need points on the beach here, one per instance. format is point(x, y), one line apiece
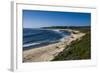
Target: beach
point(48, 52)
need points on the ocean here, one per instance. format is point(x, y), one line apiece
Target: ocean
point(39, 37)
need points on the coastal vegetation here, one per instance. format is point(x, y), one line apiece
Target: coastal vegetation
point(78, 49)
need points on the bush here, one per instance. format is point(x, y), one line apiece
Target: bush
point(79, 49)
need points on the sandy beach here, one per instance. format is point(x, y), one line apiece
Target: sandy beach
point(47, 53)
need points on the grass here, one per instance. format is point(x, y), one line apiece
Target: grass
point(77, 50)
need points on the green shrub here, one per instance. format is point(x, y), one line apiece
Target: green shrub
point(79, 49)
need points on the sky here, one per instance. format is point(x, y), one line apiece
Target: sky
point(37, 19)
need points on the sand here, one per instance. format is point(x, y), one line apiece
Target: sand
point(47, 53)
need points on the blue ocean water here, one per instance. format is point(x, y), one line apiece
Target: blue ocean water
point(38, 37)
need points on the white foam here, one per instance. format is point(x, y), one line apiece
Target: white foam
point(30, 44)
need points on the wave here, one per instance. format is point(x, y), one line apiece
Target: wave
point(33, 38)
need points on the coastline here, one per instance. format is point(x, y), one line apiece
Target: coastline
point(47, 53)
point(48, 40)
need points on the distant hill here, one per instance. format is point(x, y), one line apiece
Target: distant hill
point(66, 27)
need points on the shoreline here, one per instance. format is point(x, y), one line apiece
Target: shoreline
point(45, 43)
point(47, 53)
